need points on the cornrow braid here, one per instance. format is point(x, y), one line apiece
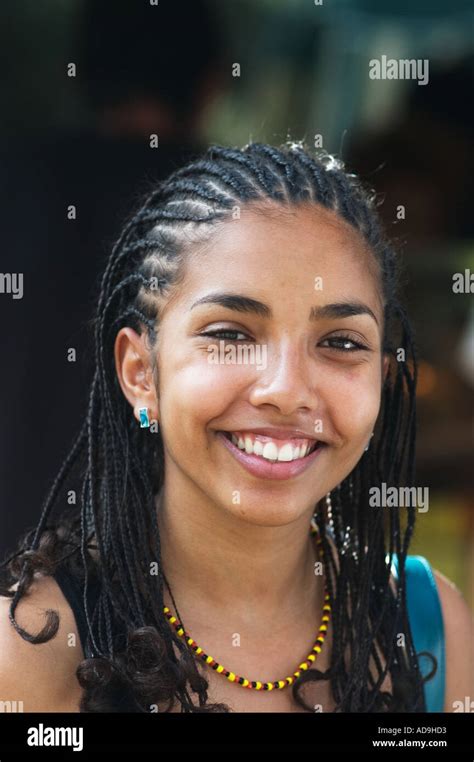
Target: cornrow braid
point(121, 467)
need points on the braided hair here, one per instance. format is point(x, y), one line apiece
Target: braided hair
point(136, 659)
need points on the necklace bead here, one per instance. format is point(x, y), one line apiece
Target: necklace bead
point(257, 684)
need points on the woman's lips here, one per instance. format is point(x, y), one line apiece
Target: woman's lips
point(267, 469)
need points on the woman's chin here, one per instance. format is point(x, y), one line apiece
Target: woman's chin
point(258, 510)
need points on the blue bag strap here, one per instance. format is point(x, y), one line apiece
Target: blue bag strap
point(427, 626)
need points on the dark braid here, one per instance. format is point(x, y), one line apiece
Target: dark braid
point(121, 466)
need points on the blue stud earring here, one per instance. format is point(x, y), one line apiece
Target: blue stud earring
point(144, 420)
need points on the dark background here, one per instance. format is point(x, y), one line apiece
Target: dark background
point(168, 70)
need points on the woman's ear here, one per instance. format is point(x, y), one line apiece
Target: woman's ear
point(134, 371)
point(385, 367)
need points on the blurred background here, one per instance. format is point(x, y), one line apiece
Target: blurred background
point(84, 85)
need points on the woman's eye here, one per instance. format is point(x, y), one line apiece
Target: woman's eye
point(339, 343)
point(226, 333)
point(343, 344)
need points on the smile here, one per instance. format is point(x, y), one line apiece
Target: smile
point(269, 457)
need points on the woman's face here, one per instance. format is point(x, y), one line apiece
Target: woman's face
point(309, 371)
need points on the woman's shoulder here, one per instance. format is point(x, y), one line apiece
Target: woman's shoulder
point(41, 676)
point(459, 636)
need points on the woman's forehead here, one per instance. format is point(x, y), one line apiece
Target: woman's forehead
point(307, 251)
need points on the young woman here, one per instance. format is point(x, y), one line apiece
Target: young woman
point(254, 382)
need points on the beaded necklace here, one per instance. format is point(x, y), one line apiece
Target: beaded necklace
point(257, 684)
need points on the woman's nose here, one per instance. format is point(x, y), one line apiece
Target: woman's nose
point(286, 382)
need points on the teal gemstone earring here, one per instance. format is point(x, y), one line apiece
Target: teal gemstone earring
point(144, 420)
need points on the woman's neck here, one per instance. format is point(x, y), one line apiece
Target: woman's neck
point(222, 564)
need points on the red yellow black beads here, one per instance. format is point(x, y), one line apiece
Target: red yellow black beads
point(257, 684)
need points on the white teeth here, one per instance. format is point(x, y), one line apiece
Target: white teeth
point(270, 450)
point(286, 452)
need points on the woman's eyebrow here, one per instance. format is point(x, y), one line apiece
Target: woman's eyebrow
point(241, 303)
point(341, 310)
point(236, 302)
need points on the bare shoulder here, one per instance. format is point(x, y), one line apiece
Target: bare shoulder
point(41, 676)
point(459, 632)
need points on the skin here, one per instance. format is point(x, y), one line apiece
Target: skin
point(246, 567)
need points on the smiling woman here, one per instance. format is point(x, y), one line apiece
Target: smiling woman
point(240, 491)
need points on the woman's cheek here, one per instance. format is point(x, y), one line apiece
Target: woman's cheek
point(207, 388)
point(353, 402)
